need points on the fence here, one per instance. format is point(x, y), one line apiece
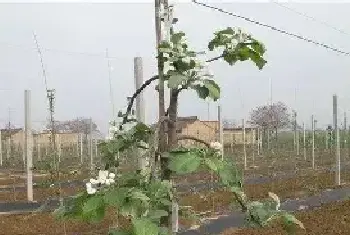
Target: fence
point(68, 153)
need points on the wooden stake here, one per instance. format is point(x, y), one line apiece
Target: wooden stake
point(337, 146)
point(28, 141)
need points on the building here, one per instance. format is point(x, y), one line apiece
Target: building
point(66, 139)
point(209, 132)
point(192, 126)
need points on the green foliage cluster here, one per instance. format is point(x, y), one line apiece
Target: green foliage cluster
point(238, 46)
point(184, 70)
point(142, 199)
point(134, 196)
point(137, 137)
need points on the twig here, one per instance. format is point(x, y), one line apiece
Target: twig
point(215, 58)
point(133, 97)
point(188, 137)
point(144, 85)
point(239, 45)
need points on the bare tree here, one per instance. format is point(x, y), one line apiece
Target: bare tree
point(275, 116)
point(271, 118)
point(229, 123)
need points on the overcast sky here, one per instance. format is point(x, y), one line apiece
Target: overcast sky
point(127, 30)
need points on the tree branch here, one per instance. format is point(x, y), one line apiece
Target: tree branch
point(215, 58)
point(224, 53)
point(174, 95)
point(133, 97)
point(188, 137)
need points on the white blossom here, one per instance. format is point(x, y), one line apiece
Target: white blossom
point(103, 175)
point(88, 185)
point(102, 180)
point(112, 181)
point(183, 40)
point(216, 145)
point(91, 190)
point(143, 144)
point(94, 181)
point(111, 175)
point(166, 66)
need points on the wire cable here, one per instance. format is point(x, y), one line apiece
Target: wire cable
point(41, 61)
point(324, 23)
point(273, 28)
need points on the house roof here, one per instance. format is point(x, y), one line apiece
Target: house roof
point(11, 131)
point(238, 128)
point(182, 122)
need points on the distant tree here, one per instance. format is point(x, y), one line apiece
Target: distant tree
point(78, 125)
point(271, 118)
point(227, 123)
point(10, 126)
point(275, 116)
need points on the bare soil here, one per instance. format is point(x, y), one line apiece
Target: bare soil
point(47, 224)
point(291, 188)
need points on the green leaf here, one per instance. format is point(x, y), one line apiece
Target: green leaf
point(260, 63)
point(92, 204)
point(118, 232)
point(159, 190)
point(229, 174)
point(165, 202)
point(165, 50)
point(289, 219)
point(137, 194)
point(130, 179)
point(176, 37)
point(202, 91)
point(164, 45)
point(164, 231)
point(238, 46)
point(214, 164)
point(116, 197)
point(229, 30)
point(175, 80)
point(191, 54)
point(181, 66)
point(213, 88)
point(94, 209)
point(183, 163)
point(132, 208)
point(257, 213)
point(73, 207)
point(236, 190)
point(143, 226)
point(157, 214)
point(244, 53)
point(258, 47)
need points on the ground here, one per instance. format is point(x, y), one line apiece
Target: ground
point(332, 219)
point(306, 181)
